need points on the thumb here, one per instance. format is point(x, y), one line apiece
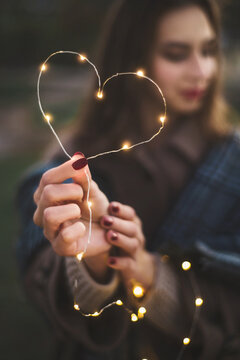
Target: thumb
point(82, 174)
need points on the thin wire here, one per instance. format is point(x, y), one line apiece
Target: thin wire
point(196, 292)
point(83, 58)
point(194, 286)
point(99, 85)
point(104, 308)
point(59, 141)
point(128, 148)
point(90, 215)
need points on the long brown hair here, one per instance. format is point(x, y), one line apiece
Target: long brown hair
point(126, 45)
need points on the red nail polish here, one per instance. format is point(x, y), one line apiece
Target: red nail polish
point(107, 221)
point(111, 261)
point(78, 153)
point(114, 236)
point(80, 163)
point(115, 208)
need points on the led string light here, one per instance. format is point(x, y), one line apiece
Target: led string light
point(126, 146)
point(198, 302)
point(137, 290)
point(83, 58)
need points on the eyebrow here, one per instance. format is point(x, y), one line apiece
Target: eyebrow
point(183, 45)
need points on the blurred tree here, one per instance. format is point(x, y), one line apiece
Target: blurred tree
point(31, 29)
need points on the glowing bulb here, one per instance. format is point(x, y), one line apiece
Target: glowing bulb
point(89, 203)
point(119, 302)
point(138, 291)
point(125, 146)
point(48, 117)
point(162, 119)
point(186, 265)
point(140, 73)
point(79, 256)
point(43, 67)
point(82, 57)
point(141, 312)
point(134, 317)
point(95, 314)
point(186, 341)
point(100, 94)
point(199, 301)
point(76, 307)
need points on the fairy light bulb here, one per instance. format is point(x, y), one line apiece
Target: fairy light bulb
point(119, 302)
point(186, 341)
point(198, 301)
point(43, 67)
point(76, 307)
point(99, 94)
point(90, 203)
point(186, 265)
point(140, 73)
point(134, 317)
point(79, 256)
point(138, 291)
point(126, 146)
point(141, 312)
point(162, 119)
point(82, 57)
point(48, 117)
point(96, 313)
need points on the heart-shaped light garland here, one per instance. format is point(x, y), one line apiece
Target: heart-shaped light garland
point(138, 290)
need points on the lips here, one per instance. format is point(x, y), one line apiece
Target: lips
point(193, 93)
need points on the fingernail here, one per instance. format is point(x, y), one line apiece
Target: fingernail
point(115, 208)
point(78, 153)
point(107, 221)
point(114, 236)
point(111, 261)
point(80, 163)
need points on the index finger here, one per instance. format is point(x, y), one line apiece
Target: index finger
point(75, 168)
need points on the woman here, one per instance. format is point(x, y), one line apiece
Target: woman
point(178, 195)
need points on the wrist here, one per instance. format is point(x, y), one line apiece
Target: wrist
point(148, 262)
point(97, 267)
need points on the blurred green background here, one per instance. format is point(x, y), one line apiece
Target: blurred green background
point(30, 31)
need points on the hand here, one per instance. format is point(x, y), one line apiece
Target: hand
point(63, 213)
point(124, 231)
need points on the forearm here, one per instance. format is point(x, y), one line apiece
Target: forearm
point(97, 268)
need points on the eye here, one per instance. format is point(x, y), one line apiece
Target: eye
point(175, 56)
point(210, 51)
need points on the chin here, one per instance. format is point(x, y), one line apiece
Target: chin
point(188, 108)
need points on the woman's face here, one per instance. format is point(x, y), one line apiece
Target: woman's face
point(184, 61)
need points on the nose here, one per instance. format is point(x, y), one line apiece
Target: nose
point(198, 67)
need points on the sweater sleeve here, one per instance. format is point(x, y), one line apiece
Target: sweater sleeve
point(171, 309)
point(162, 299)
point(86, 292)
point(46, 284)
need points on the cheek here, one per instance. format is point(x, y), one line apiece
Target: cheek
point(166, 75)
point(210, 68)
